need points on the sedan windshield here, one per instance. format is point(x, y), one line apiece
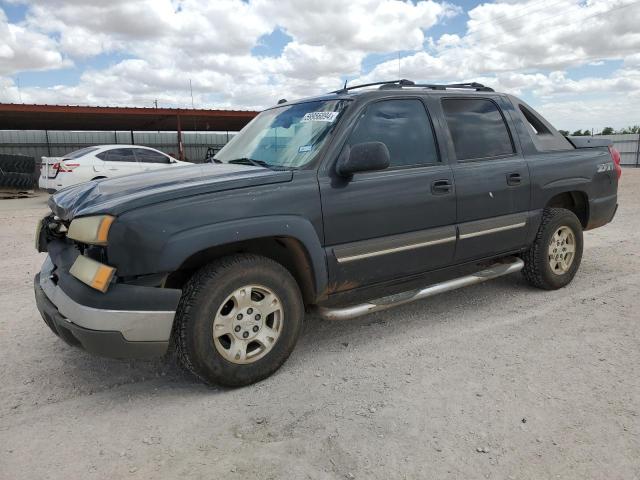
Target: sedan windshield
point(284, 137)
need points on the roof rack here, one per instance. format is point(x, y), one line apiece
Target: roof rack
point(478, 87)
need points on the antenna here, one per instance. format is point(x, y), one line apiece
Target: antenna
point(18, 85)
point(344, 89)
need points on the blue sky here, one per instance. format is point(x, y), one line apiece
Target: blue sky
point(559, 55)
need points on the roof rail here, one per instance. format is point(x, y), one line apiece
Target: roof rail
point(408, 83)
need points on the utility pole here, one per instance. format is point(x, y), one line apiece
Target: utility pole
point(156, 103)
point(191, 90)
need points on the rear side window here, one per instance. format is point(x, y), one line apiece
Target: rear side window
point(545, 138)
point(477, 128)
point(403, 126)
point(149, 156)
point(534, 122)
point(118, 155)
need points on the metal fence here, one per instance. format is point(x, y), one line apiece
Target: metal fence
point(629, 147)
point(39, 143)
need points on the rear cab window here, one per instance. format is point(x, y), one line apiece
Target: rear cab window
point(478, 128)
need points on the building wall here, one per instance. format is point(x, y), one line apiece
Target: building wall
point(627, 145)
point(38, 143)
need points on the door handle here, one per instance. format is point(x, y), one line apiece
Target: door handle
point(441, 187)
point(514, 179)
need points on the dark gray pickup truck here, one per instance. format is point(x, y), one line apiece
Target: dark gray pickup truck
point(347, 203)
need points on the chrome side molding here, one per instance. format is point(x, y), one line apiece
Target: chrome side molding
point(510, 265)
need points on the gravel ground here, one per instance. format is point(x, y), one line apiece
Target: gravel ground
point(494, 381)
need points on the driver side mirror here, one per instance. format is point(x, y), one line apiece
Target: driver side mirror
point(363, 157)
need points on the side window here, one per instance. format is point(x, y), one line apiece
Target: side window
point(149, 156)
point(403, 126)
point(477, 128)
point(120, 155)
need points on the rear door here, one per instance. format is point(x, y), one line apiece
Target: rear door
point(119, 161)
point(389, 224)
point(491, 176)
point(150, 159)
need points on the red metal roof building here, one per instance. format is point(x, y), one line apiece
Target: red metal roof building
point(79, 118)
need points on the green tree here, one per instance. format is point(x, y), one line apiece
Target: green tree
point(578, 133)
point(564, 132)
point(633, 129)
point(607, 131)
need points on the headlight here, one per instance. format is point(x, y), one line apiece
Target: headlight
point(91, 230)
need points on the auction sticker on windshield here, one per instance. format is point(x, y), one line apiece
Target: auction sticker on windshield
point(319, 117)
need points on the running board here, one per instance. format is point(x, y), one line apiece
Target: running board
point(511, 265)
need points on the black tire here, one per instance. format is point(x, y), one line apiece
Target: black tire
point(17, 180)
point(537, 269)
point(203, 296)
point(17, 163)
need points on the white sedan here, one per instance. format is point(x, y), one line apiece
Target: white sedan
point(103, 161)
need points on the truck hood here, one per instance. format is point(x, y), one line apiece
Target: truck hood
point(117, 195)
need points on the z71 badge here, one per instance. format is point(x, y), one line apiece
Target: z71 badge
point(605, 167)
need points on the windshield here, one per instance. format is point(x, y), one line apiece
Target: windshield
point(286, 137)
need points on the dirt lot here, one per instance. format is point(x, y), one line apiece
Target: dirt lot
point(494, 381)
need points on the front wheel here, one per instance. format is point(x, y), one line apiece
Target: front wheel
point(238, 320)
point(553, 259)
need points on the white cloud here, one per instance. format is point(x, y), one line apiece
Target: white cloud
point(365, 25)
point(528, 48)
point(22, 49)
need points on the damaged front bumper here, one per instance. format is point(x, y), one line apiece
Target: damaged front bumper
point(128, 321)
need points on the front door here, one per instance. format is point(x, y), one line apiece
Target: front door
point(151, 160)
point(492, 178)
point(396, 222)
point(120, 161)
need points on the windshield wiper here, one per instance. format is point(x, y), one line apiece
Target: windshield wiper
point(258, 163)
point(249, 161)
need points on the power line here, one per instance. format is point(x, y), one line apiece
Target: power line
point(390, 56)
point(594, 15)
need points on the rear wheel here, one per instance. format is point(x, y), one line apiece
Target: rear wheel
point(554, 258)
point(238, 320)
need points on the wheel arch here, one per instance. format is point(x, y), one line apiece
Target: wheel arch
point(290, 241)
point(576, 201)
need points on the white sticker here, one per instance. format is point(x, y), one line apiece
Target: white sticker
point(305, 148)
point(319, 117)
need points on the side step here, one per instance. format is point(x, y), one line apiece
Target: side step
point(510, 265)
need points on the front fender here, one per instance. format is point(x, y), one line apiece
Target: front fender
point(182, 245)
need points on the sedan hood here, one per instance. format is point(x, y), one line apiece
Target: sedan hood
point(121, 194)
